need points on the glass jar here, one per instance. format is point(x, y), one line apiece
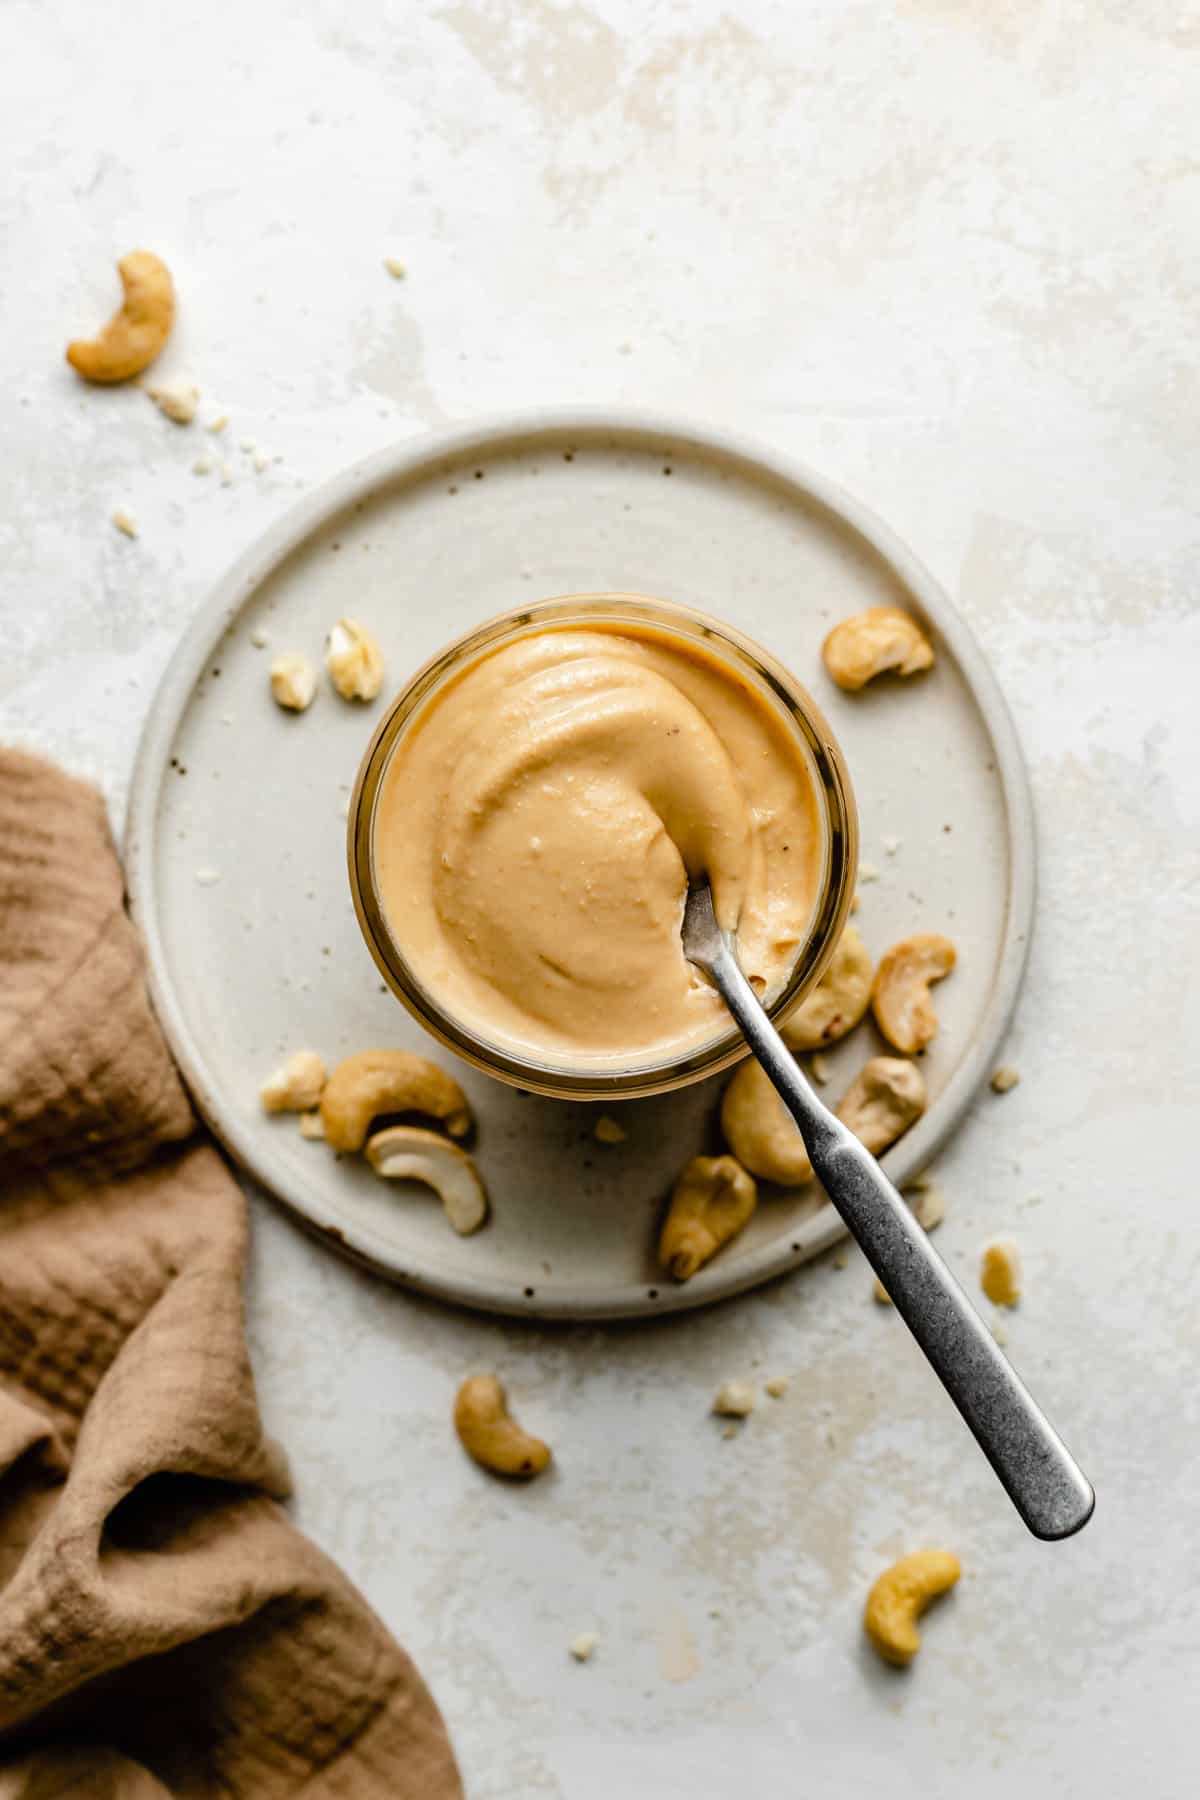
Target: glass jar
point(779, 691)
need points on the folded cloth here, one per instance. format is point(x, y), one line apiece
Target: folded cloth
point(164, 1630)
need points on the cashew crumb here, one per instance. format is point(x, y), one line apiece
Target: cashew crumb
point(312, 1128)
point(226, 474)
point(202, 465)
point(259, 639)
point(818, 1068)
point(344, 807)
point(261, 461)
point(733, 1400)
point(891, 845)
point(125, 522)
point(1004, 1079)
point(1000, 1335)
point(881, 1293)
point(867, 872)
point(730, 1431)
point(776, 1386)
point(208, 877)
point(1000, 1275)
point(608, 1130)
point(177, 400)
point(583, 1647)
point(395, 268)
point(248, 445)
point(842, 1259)
point(219, 423)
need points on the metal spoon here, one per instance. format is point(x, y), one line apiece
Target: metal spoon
point(1042, 1478)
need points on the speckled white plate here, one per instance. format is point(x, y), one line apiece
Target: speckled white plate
point(236, 860)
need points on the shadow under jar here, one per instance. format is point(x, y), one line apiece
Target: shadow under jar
point(521, 821)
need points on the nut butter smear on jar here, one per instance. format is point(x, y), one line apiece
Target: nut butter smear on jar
point(537, 823)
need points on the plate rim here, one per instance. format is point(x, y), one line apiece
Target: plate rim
point(405, 460)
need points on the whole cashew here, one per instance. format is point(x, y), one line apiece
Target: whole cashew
point(883, 637)
point(838, 1001)
point(295, 1086)
point(388, 1081)
point(882, 1101)
point(354, 661)
point(407, 1153)
point(761, 1132)
point(488, 1432)
point(900, 1596)
point(900, 997)
point(712, 1199)
point(133, 336)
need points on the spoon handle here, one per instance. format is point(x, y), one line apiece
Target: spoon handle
point(1043, 1480)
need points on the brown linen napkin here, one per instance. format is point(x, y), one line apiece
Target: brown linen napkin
point(164, 1630)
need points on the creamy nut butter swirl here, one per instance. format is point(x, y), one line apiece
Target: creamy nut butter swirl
point(537, 824)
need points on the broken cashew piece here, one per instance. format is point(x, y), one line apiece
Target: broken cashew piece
point(838, 1001)
point(760, 1130)
point(177, 400)
point(712, 1199)
point(409, 1153)
point(293, 681)
point(295, 1086)
point(900, 1596)
point(354, 661)
point(900, 997)
point(882, 638)
point(136, 333)
point(884, 1099)
point(1000, 1275)
point(734, 1400)
point(373, 1082)
point(491, 1436)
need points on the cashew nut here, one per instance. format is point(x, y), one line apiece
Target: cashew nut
point(838, 1001)
point(354, 661)
point(177, 400)
point(133, 336)
point(734, 1400)
point(761, 1132)
point(295, 1086)
point(882, 1101)
point(900, 998)
point(489, 1433)
point(293, 681)
point(900, 1596)
point(407, 1153)
point(1000, 1276)
point(372, 1082)
point(883, 637)
point(710, 1202)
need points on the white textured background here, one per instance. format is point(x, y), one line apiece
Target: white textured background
point(947, 253)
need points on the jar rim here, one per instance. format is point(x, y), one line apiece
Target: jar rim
point(607, 1079)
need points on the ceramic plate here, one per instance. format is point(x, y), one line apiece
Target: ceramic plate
point(236, 838)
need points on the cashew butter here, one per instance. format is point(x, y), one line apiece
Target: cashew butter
point(537, 823)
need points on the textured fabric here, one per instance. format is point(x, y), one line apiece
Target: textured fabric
point(164, 1630)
